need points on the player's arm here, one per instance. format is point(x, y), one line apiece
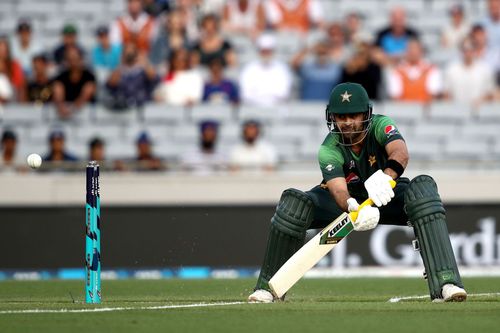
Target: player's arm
point(338, 189)
point(398, 157)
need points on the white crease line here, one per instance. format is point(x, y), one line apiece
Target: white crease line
point(158, 307)
point(397, 299)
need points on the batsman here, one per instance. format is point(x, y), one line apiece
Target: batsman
point(360, 156)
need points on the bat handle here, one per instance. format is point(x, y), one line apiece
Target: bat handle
point(367, 202)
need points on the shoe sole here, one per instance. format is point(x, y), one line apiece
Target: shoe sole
point(458, 297)
point(255, 300)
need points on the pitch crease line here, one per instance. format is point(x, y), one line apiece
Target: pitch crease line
point(406, 298)
point(158, 307)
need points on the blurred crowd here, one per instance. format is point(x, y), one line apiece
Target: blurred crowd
point(182, 53)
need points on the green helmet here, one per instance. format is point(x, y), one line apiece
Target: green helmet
point(348, 98)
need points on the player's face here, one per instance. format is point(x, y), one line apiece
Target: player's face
point(351, 125)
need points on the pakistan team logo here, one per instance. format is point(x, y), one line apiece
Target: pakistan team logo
point(346, 97)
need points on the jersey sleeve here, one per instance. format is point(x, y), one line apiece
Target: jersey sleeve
point(385, 130)
point(330, 162)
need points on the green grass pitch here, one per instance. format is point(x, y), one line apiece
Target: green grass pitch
point(313, 305)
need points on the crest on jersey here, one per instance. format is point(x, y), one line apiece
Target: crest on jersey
point(352, 164)
point(372, 160)
point(390, 130)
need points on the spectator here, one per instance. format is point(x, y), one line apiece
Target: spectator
point(75, 86)
point(483, 51)
point(9, 159)
point(339, 52)
point(414, 79)
point(244, 17)
point(363, 69)
point(206, 158)
point(146, 160)
point(58, 157)
point(469, 81)
point(132, 83)
point(6, 90)
point(318, 75)
point(211, 44)
point(181, 86)
point(105, 55)
point(40, 87)
point(24, 47)
point(393, 40)
point(96, 150)
point(492, 24)
point(172, 36)
point(353, 30)
point(218, 89)
point(156, 7)
point(12, 70)
point(456, 30)
point(265, 81)
point(295, 15)
point(135, 27)
point(69, 40)
point(253, 153)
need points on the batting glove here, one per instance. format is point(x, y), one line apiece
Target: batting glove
point(368, 218)
point(379, 188)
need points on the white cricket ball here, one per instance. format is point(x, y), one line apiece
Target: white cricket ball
point(34, 161)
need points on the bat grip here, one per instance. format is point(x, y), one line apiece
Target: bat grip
point(367, 202)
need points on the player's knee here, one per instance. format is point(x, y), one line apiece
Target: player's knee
point(294, 213)
point(422, 200)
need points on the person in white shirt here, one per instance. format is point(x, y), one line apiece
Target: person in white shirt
point(181, 86)
point(265, 81)
point(253, 154)
point(24, 47)
point(206, 158)
point(468, 80)
point(456, 30)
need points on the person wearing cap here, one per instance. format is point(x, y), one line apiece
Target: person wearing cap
point(105, 55)
point(456, 29)
point(253, 154)
point(469, 81)
point(136, 26)
point(265, 81)
point(9, 159)
point(24, 46)
point(69, 39)
point(40, 88)
point(206, 158)
point(146, 160)
point(57, 153)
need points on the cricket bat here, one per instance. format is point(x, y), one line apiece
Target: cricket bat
point(309, 254)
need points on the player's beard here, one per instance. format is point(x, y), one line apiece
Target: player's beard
point(352, 135)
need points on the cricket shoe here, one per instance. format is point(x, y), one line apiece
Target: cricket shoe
point(452, 293)
point(261, 296)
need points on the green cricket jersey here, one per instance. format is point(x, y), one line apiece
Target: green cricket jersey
point(336, 160)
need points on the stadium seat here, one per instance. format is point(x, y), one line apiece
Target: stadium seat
point(478, 131)
point(489, 113)
point(22, 114)
point(466, 149)
point(221, 113)
point(446, 112)
point(161, 113)
point(105, 116)
point(309, 112)
point(424, 149)
point(263, 114)
point(402, 112)
point(435, 131)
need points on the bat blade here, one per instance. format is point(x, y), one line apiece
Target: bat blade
point(309, 254)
